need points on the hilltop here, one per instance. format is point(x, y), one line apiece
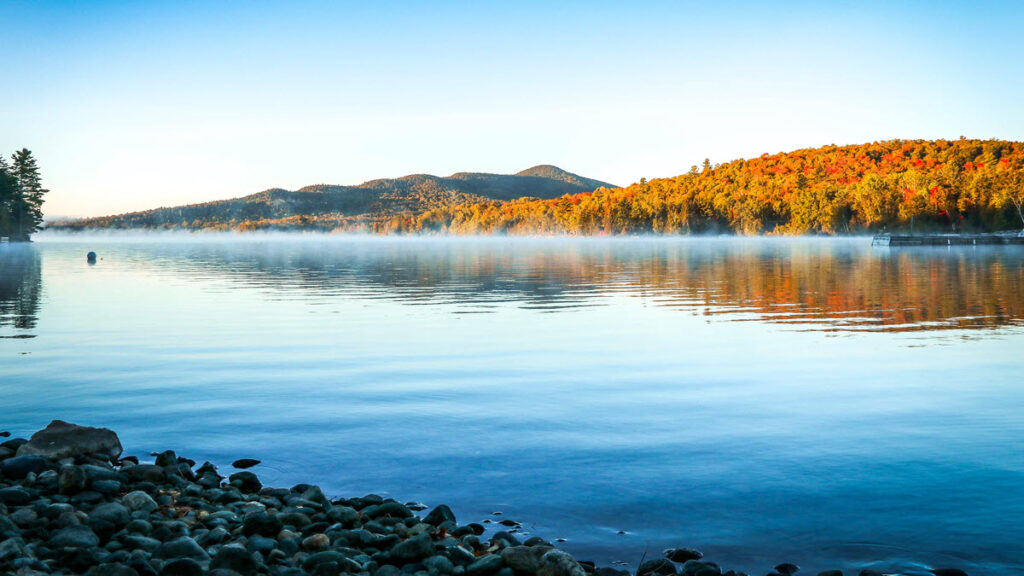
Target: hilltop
point(370, 204)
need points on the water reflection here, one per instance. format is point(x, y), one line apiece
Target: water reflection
point(20, 288)
point(813, 285)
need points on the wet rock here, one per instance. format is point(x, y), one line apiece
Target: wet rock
point(21, 466)
point(137, 542)
point(246, 482)
point(243, 463)
point(949, 572)
point(24, 516)
point(15, 496)
point(439, 564)
point(113, 569)
point(316, 543)
point(343, 515)
point(62, 440)
point(261, 523)
point(182, 567)
point(698, 568)
point(139, 501)
point(413, 549)
point(683, 554)
point(868, 572)
point(440, 515)
point(74, 537)
point(831, 573)
point(236, 559)
point(183, 547)
point(787, 568)
point(166, 458)
point(524, 558)
point(71, 480)
point(112, 512)
point(486, 565)
point(559, 563)
point(657, 567)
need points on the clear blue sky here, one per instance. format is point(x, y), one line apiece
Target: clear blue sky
point(135, 105)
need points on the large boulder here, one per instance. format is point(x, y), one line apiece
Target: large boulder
point(62, 440)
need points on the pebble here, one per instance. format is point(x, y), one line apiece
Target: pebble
point(243, 463)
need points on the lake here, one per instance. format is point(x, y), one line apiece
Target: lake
point(809, 400)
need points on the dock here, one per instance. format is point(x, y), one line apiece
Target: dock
point(996, 238)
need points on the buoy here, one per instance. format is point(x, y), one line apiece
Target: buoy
point(90, 257)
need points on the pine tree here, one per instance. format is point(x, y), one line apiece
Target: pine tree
point(28, 206)
point(8, 199)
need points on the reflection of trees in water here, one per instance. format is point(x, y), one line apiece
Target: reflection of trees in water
point(20, 286)
point(826, 285)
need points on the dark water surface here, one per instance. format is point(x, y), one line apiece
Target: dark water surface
point(815, 401)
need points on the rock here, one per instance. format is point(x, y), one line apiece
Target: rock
point(23, 465)
point(71, 480)
point(831, 573)
point(24, 516)
point(113, 570)
point(62, 440)
point(316, 543)
point(182, 567)
point(243, 463)
point(261, 523)
point(949, 572)
point(107, 487)
point(112, 513)
point(10, 549)
point(90, 257)
point(440, 515)
point(166, 458)
point(236, 559)
point(74, 537)
point(413, 549)
point(868, 572)
point(183, 547)
point(485, 565)
point(5, 434)
point(660, 566)
point(698, 568)
point(139, 501)
point(787, 568)
point(559, 563)
point(15, 496)
point(439, 564)
point(524, 558)
point(683, 554)
point(343, 515)
point(246, 482)
point(135, 542)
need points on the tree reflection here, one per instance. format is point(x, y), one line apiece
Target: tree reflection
point(20, 287)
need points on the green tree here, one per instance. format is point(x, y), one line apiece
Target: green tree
point(28, 209)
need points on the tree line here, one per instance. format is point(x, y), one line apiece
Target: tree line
point(907, 185)
point(21, 196)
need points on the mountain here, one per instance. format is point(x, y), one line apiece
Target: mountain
point(325, 206)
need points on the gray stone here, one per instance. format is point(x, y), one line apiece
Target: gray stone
point(246, 482)
point(71, 480)
point(24, 516)
point(23, 465)
point(136, 542)
point(74, 537)
point(698, 568)
point(113, 570)
point(683, 554)
point(11, 548)
point(236, 559)
point(413, 549)
point(112, 513)
point(181, 567)
point(660, 567)
point(486, 565)
point(15, 495)
point(525, 558)
point(183, 547)
point(439, 564)
point(261, 523)
point(343, 515)
point(62, 440)
point(139, 501)
point(440, 515)
point(559, 563)
point(316, 543)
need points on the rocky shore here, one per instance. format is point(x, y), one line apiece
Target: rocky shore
point(70, 504)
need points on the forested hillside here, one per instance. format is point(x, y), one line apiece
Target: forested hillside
point(919, 185)
point(367, 205)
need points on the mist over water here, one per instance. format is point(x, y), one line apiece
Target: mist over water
point(810, 400)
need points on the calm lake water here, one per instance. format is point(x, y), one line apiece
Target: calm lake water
point(815, 401)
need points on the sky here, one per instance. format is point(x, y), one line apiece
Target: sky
point(136, 105)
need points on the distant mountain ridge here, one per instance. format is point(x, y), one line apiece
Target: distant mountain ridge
point(372, 201)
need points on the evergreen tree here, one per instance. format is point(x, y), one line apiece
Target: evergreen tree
point(8, 199)
point(28, 205)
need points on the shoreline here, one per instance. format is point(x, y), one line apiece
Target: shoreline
point(70, 504)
